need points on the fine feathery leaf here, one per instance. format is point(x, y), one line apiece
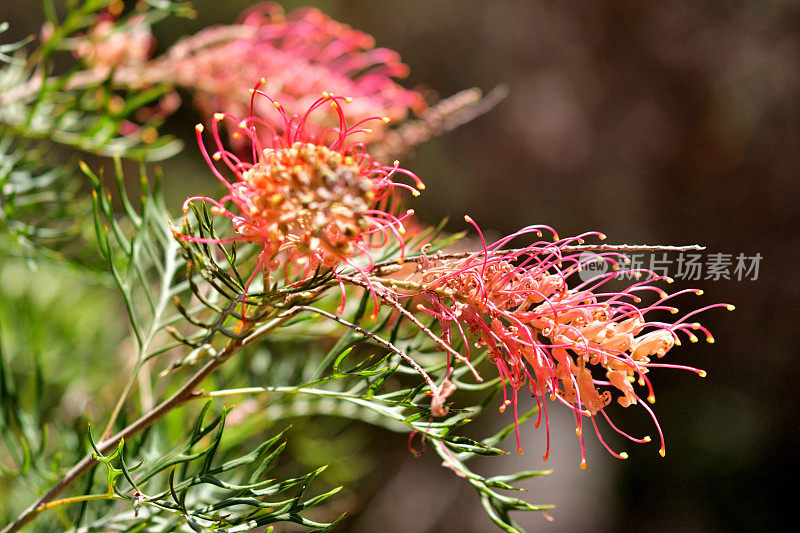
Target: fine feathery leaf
point(192, 486)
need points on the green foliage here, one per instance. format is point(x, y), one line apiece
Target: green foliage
point(189, 485)
point(135, 316)
point(44, 117)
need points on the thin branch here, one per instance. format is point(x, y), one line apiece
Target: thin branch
point(438, 341)
point(184, 394)
point(380, 268)
point(436, 391)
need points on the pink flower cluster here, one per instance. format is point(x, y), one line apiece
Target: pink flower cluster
point(576, 345)
point(300, 55)
point(308, 200)
point(109, 46)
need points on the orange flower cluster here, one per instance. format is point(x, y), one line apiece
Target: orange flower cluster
point(307, 204)
point(575, 345)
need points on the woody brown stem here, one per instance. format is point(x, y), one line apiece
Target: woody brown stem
point(379, 267)
point(185, 393)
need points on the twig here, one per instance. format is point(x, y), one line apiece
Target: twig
point(439, 342)
point(436, 391)
point(440, 256)
point(184, 394)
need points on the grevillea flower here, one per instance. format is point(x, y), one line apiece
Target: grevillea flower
point(109, 45)
point(309, 201)
point(576, 345)
point(300, 55)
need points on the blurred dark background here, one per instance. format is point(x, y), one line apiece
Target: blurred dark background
point(670, 122)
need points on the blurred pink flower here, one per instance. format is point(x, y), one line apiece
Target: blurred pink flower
point(300, 55)
point(109, 45)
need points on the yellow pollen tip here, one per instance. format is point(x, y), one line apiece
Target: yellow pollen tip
point(277, 105)
point(368, 130)
point(630, 379)
point(326, 95)
point(243, 124)
point(640, 382)
point(731, 307)
point(602, 236)
point(236, 135)
point(702, 373)
point(401, 231)
point(347, 100)
point(415, 193)
point(710, 340)
point(677, 342)
point(420, 307)
point(693, 338)
point(699, 292)
point(421, 186)
point(662, 452)
point(410, 212)
point(673, 311)
point(651, 399)
point(502, 409)
point(386, 120)
point(262, 81)
point(647, 438)
point(252, 91)
point(583, 464)
point(198, 128)
point(218, 116)
point(217, 156)
point(669, 280)
point(623, 455)
point(696, 325)
point(520, 451)
point(578, 431)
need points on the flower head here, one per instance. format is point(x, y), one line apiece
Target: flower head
point(109, 45)
point(300, 55)
point(308, 200)
point(578, 346)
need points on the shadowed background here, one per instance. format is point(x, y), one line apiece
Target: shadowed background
point(672, 122)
